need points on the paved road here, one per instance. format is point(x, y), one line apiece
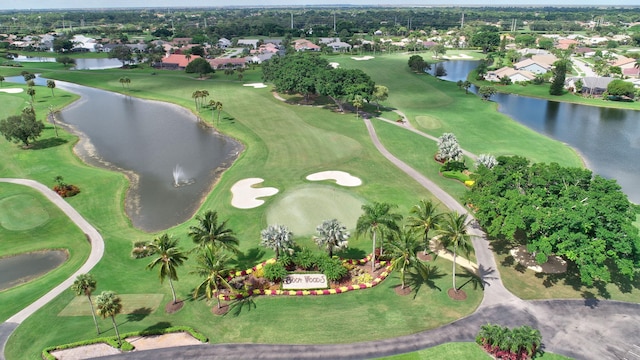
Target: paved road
point(97, 250)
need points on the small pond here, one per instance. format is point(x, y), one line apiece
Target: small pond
point(81, 63)
point(15, 270)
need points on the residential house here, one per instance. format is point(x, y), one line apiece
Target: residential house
point(221, 63)
point(259, 58)
point(593, 85)
point(514, 74)
point(532, 66)
point(548, 59)
point(224, 43)
point(305, 45)
point(624, 62)
point(83, 43)
point(176, 61)
point(633, 72)
point(181, 41)
point(339, 46)
point(564, 44)
point(253, 43)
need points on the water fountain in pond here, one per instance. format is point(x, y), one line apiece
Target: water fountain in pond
point(179, 177)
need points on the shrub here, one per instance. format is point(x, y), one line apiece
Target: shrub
point(275, 272)
point(141, 250)
point(332, 268)
point(304, 259)
point(363, 279)
point(286, 260)
point(454, 166)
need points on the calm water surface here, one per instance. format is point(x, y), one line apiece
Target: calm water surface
point(608, 139)
point(15, 270)
point(81, 63)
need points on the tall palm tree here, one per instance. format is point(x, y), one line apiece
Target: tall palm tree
point(169, 258)
point(376, 218)
point(332, 235)
point(209, 230)
point(1, 80)
point(212, 105)
point(212, 265)
point(277, 238)
point(357, 102)
point(203, 94)
point(424, 217)
point(85, 284)
point(453, 234)
point(51, 85)
point(109, 305)
point(196, 95)
point(219, 108)
point(403, 248)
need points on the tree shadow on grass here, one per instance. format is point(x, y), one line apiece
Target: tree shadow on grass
point(229, 119)
point(158, 326)
point(138, 314)
point(48, 143)
point(352, 253)
point(237, 306)
point(249, 258)
point(424, 274)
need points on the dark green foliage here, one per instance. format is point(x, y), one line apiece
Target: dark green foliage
point(417, 64)
point(487, 38)
point(333, 269)
point(487, 91)
point(141, 250)
point(22, 128)
point(559, 75)
point(295, 73)
point(122, 53)
point(503, 343)
point(563, 211)
point(454, 166)
point(199, 66)
point(275, 272)
point(304, 259)
point(619, 87)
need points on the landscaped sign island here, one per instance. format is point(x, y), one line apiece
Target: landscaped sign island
point(305, 282)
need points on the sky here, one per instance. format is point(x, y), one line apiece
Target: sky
point(85, 4)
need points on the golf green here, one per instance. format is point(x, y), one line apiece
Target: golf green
point(22, 212)
point(302, 209)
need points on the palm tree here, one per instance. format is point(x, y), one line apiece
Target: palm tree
point(203, 95)
point(403, 247)
point(51, 85)
point(277, 238)
point(212, 105)
point(169, 258)
point(453, 233)
point(1, 80)
point(374, 220)
point(357, 102)
point(212, 265)
point(219, 108)
point(209, 230)
point(109, 305)
point(196, 95)
point(425, 216)
point(125, 81)
point(85, 285)
point(331, 235)
point(31, 92)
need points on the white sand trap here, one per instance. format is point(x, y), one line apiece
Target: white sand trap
point(459, 56)
point(341, 178)
point(12, 91)
point(245, 196)
point(363, 58)
point(334, 64)
point(256, 85)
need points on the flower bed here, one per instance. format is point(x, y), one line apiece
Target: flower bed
point(338, 290)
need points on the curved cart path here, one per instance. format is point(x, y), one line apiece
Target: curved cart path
point(97, 250)
point(582, 329)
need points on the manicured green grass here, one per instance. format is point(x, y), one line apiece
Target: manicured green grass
point(462, 350)
point(22, 212)
point(141, 304)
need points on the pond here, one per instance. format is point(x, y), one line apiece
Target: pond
point(15, 270)
point(608, 139)
point(81, 63)
point(153, 143)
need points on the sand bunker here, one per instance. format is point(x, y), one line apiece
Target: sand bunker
point(334, 64)
point(555, 264)
point(245, 196)
point(12, 91)
point(459, 56)
point(341, 178)
point(256, 85)
point(363, 58)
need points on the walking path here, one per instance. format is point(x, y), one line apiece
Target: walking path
point(97, 250)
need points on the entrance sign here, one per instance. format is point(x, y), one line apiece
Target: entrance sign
point(305, 281)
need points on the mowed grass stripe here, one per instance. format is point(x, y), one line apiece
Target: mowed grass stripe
point(131, 304)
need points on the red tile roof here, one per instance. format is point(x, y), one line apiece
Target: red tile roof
point(179, 59)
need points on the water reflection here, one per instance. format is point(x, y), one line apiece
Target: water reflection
point(15, 270)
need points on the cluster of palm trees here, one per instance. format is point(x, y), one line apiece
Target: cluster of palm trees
point(108, 304)
point(125, 81)
point(200, 98)
point(381, 222)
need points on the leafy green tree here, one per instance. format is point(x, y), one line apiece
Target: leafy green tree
point(332, 235)
point(380, 93)
point(438, 50)
point(65, 60)
point(486, 37)
point(199, 66)
point(453, 234)
point(51, 85)
point(417, 64)
point(486, 92)
point(213, 265)
point(122, 53)
point(170, 257)
point(22, 128)
point(209, 230)
point(85, 285)
point(559, 75)
point(403, 248)
point(109, 305)
point(424, 218)
point(277, 238)
point(357, 101)
point(377, 218)
point(1, 80)
point(619, 87)
point(481, 69)
point(466, 85)
point(340, 83)
point(295, 73)
point(525, 40)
